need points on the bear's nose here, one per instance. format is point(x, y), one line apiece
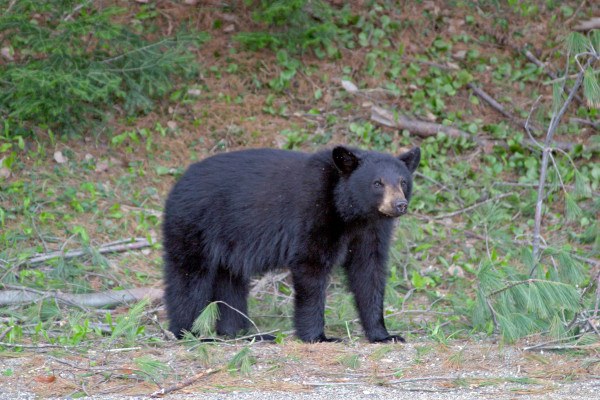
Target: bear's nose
point(401, 206)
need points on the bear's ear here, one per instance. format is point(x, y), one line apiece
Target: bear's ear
point(345, 160)
point(411, 158)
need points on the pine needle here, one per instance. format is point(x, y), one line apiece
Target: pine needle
point(576, 43)
point(128, 326)
point(242, 361)
point(582, 186)
point(205, 323)
point(572, 209)
point(591, 88)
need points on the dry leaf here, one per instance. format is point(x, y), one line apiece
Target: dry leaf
point(172, 125)
point(45, 378)
point(229, 28)
point(59, 158)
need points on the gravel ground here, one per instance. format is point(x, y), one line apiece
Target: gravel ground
point(579, 390)
point(296, 371)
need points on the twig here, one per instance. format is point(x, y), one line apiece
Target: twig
point(572, 17)
point(539, 345)
point(518, 121)
point(33, 346)
point(425, 378)
point(462, 210)
point(79, 7)
point(490, 100)
point(5, 332)
point(184, 383)
point(109, 298)
point(581, 121)
point(544, 169)
point(239, 312)
point(133, 244)
point(523, 282)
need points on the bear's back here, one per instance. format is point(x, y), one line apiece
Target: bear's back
point(249, 209)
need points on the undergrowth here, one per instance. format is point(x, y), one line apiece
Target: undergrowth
point(72, 65)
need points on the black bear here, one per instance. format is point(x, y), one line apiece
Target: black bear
point(237, 214)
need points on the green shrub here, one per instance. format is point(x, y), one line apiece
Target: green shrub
point(296, 25)
point(73, 60)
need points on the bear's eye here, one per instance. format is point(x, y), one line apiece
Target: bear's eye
point(378, 183)
point(404, 185)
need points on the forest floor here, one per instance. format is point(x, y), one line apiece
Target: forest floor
point(474, 200)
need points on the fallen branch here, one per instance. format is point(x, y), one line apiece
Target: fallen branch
point(482, 94)
point(421, 128)
point(116, 247)
point(109, 298)
point(184, 383)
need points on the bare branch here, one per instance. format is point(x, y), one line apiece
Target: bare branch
point(114, 247)
point(544, 168)
point(108, 298)
point(184, 383)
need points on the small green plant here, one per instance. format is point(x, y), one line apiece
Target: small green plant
point(128, 327)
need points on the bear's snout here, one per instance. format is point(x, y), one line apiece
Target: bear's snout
point(401, 206)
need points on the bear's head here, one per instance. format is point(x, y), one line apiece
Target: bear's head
point(372, 183)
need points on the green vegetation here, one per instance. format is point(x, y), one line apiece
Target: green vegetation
point(102, 108)
point(68, 72)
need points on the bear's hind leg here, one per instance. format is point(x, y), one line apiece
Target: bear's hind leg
point(232, 293)
point(187, 292)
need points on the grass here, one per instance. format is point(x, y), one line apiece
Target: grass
point(465, 240)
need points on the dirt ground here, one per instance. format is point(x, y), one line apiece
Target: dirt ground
point(483, 369)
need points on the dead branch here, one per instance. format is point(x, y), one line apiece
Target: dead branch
point(184, 383)
point(421, 128)
point(490, 100)
point(109, 298)
point(592, 23)
point(454, 213)
point(482, 94)
point(544, 168)
point(116, 247)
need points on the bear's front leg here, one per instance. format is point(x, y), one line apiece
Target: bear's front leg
point(309, 302)
point(367, 274)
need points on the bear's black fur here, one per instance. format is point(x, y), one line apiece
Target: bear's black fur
point(242, 213)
